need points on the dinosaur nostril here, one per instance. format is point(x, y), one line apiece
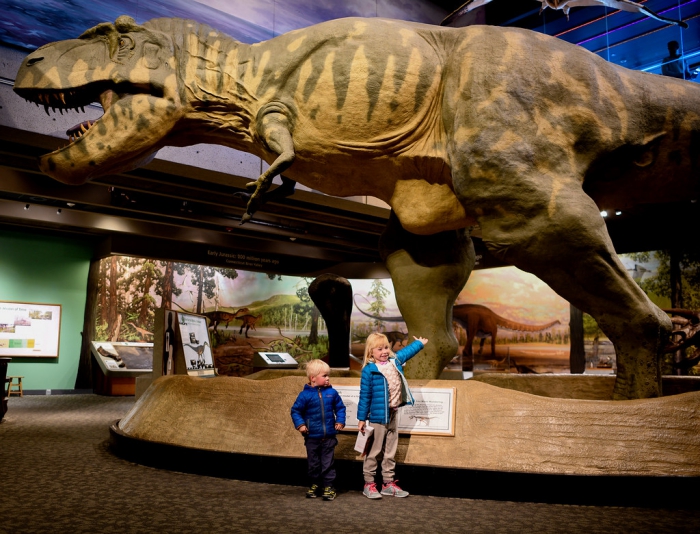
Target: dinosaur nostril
point(31, 62)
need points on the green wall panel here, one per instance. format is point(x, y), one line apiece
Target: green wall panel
point(52, 270)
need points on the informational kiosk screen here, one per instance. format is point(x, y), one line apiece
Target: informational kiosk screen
point(274, 360)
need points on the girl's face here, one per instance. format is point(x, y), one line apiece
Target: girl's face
point(381, 353)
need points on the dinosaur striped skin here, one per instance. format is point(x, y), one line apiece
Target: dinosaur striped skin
point(515, 131)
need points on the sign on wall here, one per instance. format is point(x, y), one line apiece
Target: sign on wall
point(29, 330)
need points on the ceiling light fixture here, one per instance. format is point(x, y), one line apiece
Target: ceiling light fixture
point(58, 211)
point(603, 213)
point(618, 212)
point(70, 204)
point(26, 206)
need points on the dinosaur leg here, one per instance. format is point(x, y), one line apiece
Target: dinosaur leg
point(557, 233)
point(468, 352)
point(428, 273)
point(332, 295)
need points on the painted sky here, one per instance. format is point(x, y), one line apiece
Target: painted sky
point(30, 24)
point(508, 291)
point(516, 295)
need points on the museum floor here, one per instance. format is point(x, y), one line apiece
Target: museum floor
point(58, 475)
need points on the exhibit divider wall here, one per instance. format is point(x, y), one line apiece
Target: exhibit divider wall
point(37, 268)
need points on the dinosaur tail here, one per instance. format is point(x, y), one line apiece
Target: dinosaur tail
point(394, 319)
point(520, 327)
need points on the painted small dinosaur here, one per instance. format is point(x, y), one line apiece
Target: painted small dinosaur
point(248, 321)
point(517, 132)
point(480, 321)
point(219, 316)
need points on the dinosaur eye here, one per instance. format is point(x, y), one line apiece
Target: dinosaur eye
point(125, 43)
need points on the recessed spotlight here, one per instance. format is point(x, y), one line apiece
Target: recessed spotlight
point(58, 211)
point(70, 204)
point(603, 213)
point(26, 206)
point(292, 238)
point(618, 212)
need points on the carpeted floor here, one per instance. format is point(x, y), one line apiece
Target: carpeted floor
point(58, 475)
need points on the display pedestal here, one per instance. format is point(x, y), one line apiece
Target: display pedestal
point(516, 442)
point(117, 365)
point(113, 385)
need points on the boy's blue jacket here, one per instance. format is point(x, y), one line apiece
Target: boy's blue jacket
point(373, 404)
point(319, 408)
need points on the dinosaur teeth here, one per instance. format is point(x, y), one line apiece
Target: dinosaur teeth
point(79, 130)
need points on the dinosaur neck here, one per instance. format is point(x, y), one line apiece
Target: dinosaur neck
point(222, 106)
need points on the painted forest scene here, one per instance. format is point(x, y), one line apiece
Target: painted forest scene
point(251, 311)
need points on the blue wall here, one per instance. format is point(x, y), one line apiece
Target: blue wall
point(51, 270)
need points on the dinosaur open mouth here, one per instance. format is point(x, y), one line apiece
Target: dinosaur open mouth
point(72, 100)
point(107, 98)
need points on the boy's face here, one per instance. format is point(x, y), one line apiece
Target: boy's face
point(322, 379)
point(381, 353)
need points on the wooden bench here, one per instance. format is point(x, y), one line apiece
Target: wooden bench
point(15, 386)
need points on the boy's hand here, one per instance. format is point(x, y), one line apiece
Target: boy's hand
point(339, 426)
point(361, 426)
point(421, 339)
point(303, 429)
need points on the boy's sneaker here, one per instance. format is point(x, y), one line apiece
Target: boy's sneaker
point(370, 491)
point(391, 488)
point(312, 492)
point(328, 493)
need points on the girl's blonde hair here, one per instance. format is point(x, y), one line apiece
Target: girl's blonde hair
point(374, 340)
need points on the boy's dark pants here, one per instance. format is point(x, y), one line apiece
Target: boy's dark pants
point(319, 452)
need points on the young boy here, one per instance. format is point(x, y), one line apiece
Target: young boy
point(318, 413)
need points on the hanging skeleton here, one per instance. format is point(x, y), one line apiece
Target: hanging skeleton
point(566, 5)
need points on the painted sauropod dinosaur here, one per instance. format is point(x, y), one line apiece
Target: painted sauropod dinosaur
point(517, 132)
point(481, 321)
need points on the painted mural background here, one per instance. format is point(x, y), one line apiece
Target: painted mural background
point(252, 311)
point(32, 24)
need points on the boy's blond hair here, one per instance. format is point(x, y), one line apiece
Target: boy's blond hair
point(374, 340)
point(315, 368)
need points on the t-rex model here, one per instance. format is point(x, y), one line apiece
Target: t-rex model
point(511, 130)
point(480, 321)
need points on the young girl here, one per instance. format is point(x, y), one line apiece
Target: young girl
point(383, 390)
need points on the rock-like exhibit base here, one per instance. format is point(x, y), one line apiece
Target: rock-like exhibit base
point(497, 430)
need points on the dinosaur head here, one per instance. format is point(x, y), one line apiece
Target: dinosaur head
point(131, 71)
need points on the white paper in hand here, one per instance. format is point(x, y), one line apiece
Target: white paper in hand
point(362, 442)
